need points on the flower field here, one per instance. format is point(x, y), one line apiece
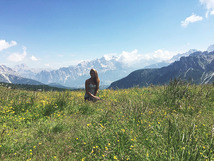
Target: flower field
point(174, 122)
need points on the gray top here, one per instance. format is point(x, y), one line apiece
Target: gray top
point(91, 89)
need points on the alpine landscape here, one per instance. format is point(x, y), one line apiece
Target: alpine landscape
point(153, 98)
point(111, 70)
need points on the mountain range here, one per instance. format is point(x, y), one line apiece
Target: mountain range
point(10, 76)
point(198, 68)
point(75, 76)
point(173, 59)
point(109, 69)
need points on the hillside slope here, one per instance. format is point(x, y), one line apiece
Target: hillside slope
point(198, 68)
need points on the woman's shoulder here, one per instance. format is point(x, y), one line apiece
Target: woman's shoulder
point(88, 81)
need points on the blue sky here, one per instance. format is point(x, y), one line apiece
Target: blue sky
point(53, 33)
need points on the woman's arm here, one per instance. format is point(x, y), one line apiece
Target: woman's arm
point(97, 87)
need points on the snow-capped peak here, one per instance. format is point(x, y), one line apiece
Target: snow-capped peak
point(178, 56)
point(110, 57)
point(7, 70)
point(210, 48)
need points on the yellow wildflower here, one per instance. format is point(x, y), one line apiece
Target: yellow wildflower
point(115, 157)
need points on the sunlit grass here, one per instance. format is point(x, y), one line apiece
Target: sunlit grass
point(155, 123)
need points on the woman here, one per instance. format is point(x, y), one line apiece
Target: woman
point(92, 86)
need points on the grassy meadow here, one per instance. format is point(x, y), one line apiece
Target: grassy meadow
point(174, 122)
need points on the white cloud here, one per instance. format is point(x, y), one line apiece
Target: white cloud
point(5, 45)
point(34, 58)
point(209, 6)
point(134, 58)
point(17, 57)
point(191, 19)
point(160, 55)
point(130, 57)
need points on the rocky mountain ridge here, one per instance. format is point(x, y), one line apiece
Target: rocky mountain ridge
point(197, 68)
point(173, 59)
point(109, 67)
point(75, 76)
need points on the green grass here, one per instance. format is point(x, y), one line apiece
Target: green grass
point(171, 122)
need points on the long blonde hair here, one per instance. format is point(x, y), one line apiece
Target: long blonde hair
point(96, 79)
